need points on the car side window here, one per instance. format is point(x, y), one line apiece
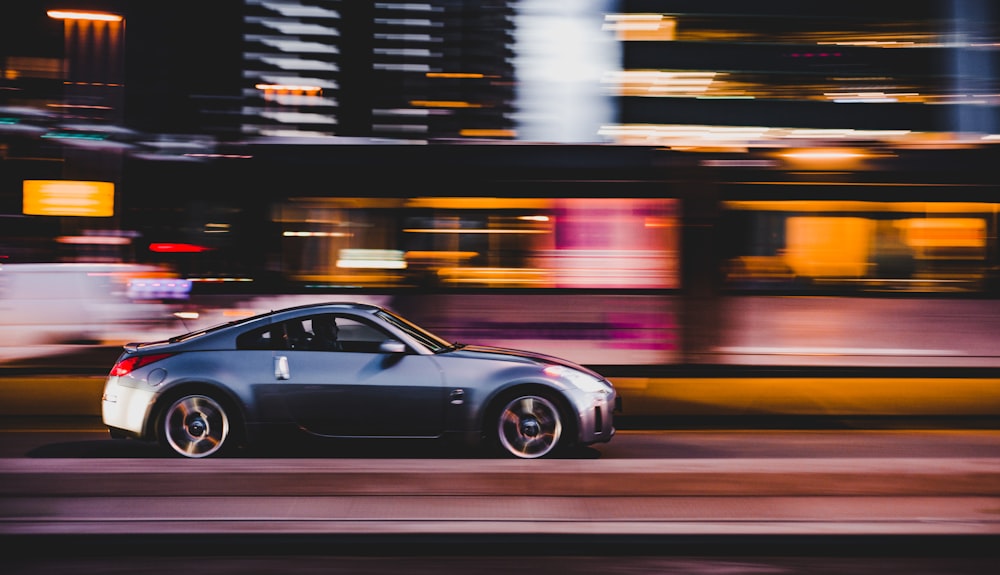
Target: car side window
point(267, 337)
point(295, 335)
point(346, 334)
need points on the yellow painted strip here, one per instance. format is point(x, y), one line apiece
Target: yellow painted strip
point(51, 395)
point(809, 396)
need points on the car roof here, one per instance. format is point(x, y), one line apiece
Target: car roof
point(210, 333)
point(352, 305)
point(294, 311)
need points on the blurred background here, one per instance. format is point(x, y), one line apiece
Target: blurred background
point(636, 185)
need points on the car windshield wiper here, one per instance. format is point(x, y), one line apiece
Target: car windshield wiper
point(451, 347)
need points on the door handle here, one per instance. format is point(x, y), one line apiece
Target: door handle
point(281, 367)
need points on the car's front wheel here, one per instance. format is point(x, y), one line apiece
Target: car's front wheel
point(195, 426)
point(529, 426)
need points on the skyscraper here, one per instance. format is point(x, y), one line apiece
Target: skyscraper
point(379, 70)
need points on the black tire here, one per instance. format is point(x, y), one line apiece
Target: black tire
point(529, 425)
point(196, 426)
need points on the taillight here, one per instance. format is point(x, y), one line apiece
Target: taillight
point(129, 364)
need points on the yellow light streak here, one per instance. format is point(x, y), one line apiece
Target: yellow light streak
point(444, 104)
point(480, 203)
point(293, 234)
point(472, 231)
point(439, 255)
point(81, 15)
point(287, 88)
point(454, 75)
point(488, 133)
point(847, 206)
point(824, 155)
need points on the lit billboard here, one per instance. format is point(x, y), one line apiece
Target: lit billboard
point(69, 198)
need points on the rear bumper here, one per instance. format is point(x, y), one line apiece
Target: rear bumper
point(125, 408)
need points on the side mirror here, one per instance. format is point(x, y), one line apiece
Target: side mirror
point(392, 346)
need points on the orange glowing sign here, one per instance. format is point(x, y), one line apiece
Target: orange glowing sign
point(69, 198)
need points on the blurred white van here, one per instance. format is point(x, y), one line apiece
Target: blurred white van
point(80, 303)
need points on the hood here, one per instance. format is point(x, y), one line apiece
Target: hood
point(506, 354)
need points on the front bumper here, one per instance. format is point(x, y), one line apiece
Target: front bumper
point(597, 421)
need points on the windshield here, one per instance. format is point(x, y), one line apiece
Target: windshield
point(428, 339)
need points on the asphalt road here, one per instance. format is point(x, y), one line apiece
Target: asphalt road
point(86, 437)
point(686, 501)
point(64, 480)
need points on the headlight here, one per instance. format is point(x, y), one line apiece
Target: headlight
point(583, 381)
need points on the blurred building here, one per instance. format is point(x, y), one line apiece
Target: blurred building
point(396, 71)
point(174, 102)
point(721, 72)
point(598, 71)
point(648, 72)
point(649, 157)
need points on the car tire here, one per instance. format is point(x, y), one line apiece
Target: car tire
point(529, 425)
point(195, 426)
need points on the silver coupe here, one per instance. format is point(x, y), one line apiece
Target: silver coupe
point(349, 370)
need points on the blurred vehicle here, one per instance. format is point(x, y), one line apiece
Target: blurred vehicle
point(80, 303)
point(377, 375)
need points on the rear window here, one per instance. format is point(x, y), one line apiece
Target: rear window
point(267, 337)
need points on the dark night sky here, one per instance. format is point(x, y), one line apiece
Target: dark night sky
point(177, 51)
point(25, 30)
point(179, 54)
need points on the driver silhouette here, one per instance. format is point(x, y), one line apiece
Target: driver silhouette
point(325, 332)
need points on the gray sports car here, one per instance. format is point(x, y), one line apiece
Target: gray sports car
point(349, 370)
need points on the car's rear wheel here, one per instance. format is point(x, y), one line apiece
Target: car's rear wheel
point(529, 426)
point(195, 426)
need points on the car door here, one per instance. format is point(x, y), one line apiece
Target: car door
point(359, 391)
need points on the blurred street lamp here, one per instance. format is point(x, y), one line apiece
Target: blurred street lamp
point(78, 15)
point(95, 64)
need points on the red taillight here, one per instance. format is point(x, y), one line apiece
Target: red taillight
point(177, 248)
point(132, 363)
